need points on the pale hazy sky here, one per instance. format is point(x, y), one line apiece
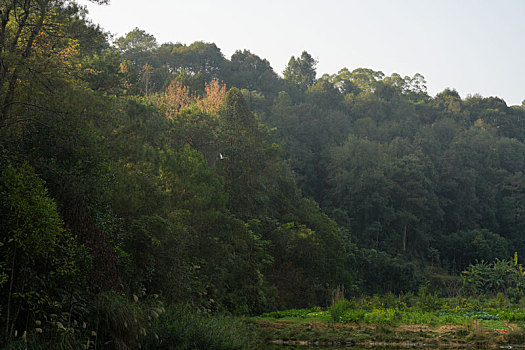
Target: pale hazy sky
point(474, 46)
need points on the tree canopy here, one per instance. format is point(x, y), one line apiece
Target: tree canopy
point(170, 174)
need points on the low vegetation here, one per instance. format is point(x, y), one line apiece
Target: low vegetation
point(398, 320)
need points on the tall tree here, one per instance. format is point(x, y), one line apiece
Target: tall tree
point(301, 70)
point(30, 28)
point(247, 156)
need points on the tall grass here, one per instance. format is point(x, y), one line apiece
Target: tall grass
point(183, 328)
point(339, 304)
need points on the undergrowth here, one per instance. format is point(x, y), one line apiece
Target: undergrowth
point(424, 308)
point(182, 328)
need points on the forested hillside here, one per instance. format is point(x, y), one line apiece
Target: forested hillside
point(135, 176)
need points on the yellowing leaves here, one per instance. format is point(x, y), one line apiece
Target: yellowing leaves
point(213, 98)
point(177, 97)
point(59, 53)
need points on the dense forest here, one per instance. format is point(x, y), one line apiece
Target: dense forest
point(135, 176)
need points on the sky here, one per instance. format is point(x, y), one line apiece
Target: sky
point(473, 46)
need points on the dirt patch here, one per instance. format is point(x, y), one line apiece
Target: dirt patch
point(354, 326)
point(426, 328)
point(413, 328)
point(449, 328)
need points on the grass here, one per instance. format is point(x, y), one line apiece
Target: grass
point(182, 328)
point(395, 317)
point(456, 320)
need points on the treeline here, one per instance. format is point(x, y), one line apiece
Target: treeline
point(119, 199)
point(433, 179)
point(168, 174)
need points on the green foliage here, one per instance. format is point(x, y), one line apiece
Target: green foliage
point(428, 301)
point(301, 70)
point(120, 321)
point(500, 276)
point(40, 259)
point(353, 316)
point(250, 72)
point(298, 313)
point(375, 310)
point(365, 182)
point(381, 316)
point(156, 253)
point(182, 328)
point(474, 245)
point(243, 148)
point(339, 309)
point(512, 315)
point(381, 273)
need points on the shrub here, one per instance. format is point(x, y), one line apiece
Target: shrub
point(500, 276)
point(353, 316)
point(182, 328)
point(120, 321)
point(40, 261)
point(428, 301)
point(338, 310)
point(381, 316)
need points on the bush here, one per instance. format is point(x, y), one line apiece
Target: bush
point(353, 316)
point(338, 309)
point(119, 321)
point(40, 261)
point(182, 328)
point(428, 301)
point(500, 276)
point(381, 316)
